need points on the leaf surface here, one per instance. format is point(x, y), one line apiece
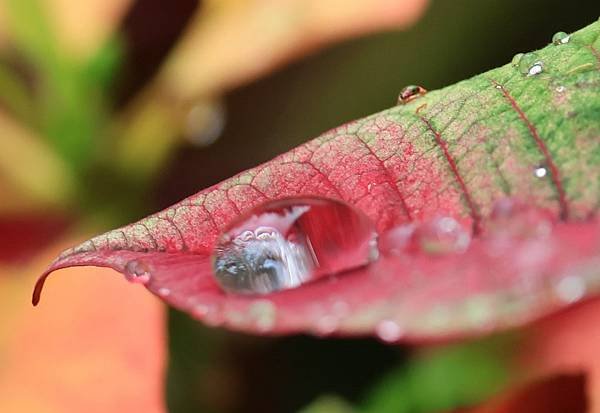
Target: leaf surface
point(453, 152)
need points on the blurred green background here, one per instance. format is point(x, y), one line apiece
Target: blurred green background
point(120, 149)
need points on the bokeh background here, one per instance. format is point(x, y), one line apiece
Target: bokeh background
point(113, 109)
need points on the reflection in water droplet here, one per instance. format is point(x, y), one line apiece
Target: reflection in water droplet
point(540, 171)
point(410, 93)
point(517, 59)
point(536, 69)
point(137, 271)
point(560, 38)
point(283, 244)
point(388, 331)
point(570, 288)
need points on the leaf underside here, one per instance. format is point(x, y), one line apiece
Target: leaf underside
point(452, 152)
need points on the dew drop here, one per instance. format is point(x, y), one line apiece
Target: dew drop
point(285, 243)
point(512, 219)
point(560, 38)
point(570, 288)
point(410, 93)
point(530, 65)
point(516, 59)
point(263, 314)
point(398, 239)
point(137, 271)
point(326, 325)
point(442, 235)
point(540, 171)
point(388, 331)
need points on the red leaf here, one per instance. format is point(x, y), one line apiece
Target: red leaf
point(456, 153)
point(24, 235)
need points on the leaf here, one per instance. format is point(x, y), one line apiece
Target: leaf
point(451, 152)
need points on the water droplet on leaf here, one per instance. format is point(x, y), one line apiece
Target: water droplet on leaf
point(164, 292)
point(530, 65)
point(137, 271)
point(441, 236)
point(570, 288)
point(560, 38)
point(285, 243)
point(388, 331)
point(512, 219)
point(516, 59)
point(263, 313)
point(410, 93)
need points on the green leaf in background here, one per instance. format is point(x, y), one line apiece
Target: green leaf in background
point(72, 103)
point(443, 378)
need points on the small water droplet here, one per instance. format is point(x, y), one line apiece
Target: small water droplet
point(513, 219)
point(540, 171)
point(286, 243)
point(398, 239)
point(410, 93)
point(442, 235)
point(326, 325)
point(137, 271)
point(560, 38)
point(164, 292)
point(516, 59)
point(570, 288)
point(388, 331)
point(263, 313)
point(530, 65)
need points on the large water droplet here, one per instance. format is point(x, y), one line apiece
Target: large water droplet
point(286, 243)
point(409, 93)
point(560, 38)
point(137, 271)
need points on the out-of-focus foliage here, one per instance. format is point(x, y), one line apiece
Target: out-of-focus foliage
point(98, 346)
